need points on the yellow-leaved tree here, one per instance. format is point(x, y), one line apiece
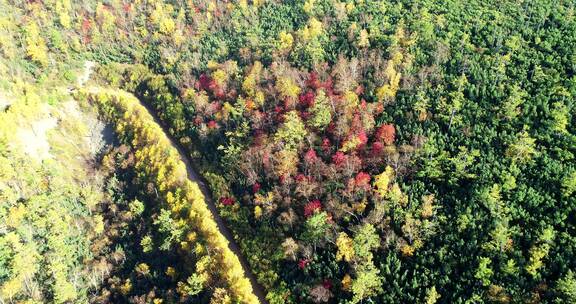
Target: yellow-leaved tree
point(36, 48)
point(157, 161)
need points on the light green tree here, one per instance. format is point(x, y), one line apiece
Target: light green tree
point(523, 149)
point(569, 184)
point(566, 288)
point(432, 296)
point(292, 132)
point(367, 282)
point(484, 272)
point(316, 227)
point(560, 117)
point(510, 108)
point(321, 111)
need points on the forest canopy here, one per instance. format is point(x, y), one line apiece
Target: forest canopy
point(359, 151)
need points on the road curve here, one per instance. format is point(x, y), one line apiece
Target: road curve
point(198, 179)
point(257, 289)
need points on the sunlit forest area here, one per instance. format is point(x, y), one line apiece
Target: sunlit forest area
point(288, 151)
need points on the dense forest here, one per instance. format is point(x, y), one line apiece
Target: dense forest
point(353, 151)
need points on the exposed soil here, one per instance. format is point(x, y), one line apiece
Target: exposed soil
point(34, 140)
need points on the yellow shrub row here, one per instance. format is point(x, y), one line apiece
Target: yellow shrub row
point(158, 162)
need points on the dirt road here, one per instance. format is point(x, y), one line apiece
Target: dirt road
point(197, 178)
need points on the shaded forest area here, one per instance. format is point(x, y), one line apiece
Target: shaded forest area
point(360, 151)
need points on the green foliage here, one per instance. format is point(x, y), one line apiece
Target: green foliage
point(172, 229)
point(316, 227)
point(566, 288)
point(560, 117)
point(569, 184)
point(321, 112)
point(194, 285)
point(292, 132)
point(484, 272)
point(432, 295)
point(136, 207)
point(510, 108)
point(367, 283)
point(366, 240)
point(523, 149)
point(480, 96)
point(146, 243)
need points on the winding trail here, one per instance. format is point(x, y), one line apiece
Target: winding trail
point(257, 289)
point(202, 184)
